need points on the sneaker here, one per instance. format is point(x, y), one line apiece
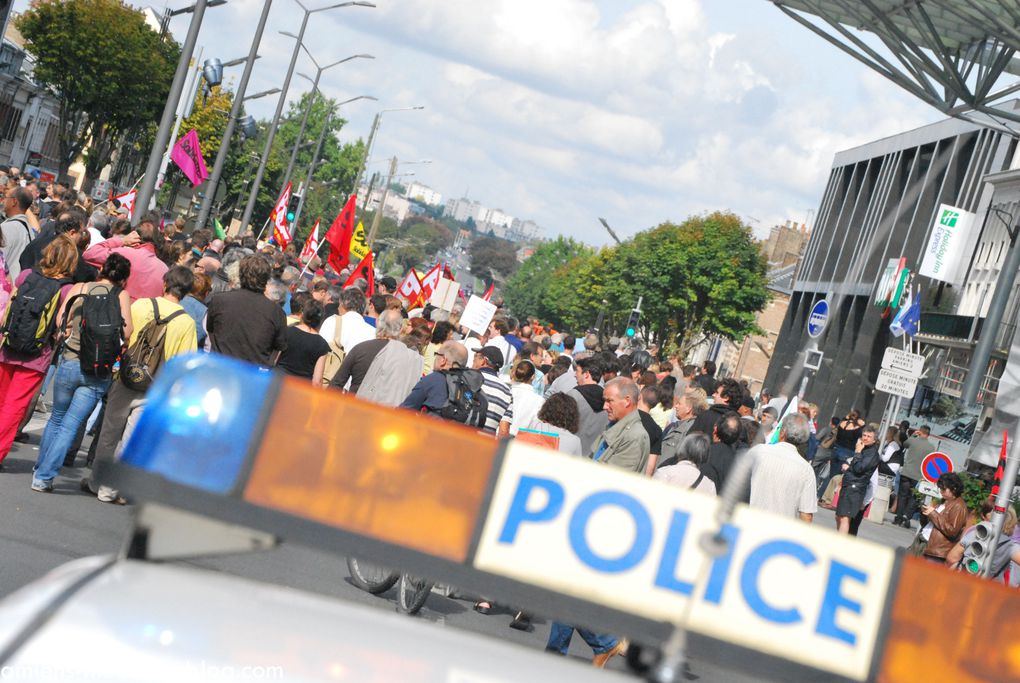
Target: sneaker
point(42, 486)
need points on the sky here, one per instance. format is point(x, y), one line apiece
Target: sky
point(562, 111)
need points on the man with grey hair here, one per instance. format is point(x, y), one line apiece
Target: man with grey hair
point(276, 291)
point(781, 480)
point(348, 325)
point(625, 442)
point(384, 369)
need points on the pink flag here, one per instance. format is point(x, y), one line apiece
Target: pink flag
point(188, 155)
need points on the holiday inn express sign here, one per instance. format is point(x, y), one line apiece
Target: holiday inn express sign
point(944, 255)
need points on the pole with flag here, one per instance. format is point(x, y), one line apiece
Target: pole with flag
point(311, 244)
point(430, 281)
point(488, 292)
point(410, 289)
point(364, 271)
point(791, 408)
point(339, 236)
point(908, 317)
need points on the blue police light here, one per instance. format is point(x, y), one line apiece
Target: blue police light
point(199, 420)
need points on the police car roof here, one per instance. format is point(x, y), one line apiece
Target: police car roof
point(200, 625)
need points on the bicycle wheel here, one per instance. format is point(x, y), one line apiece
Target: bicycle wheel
point(412, 593)
point(371, 577)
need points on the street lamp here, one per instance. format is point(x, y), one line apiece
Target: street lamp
point(318, 151)
point(311, 99)
point(257, 182)
point(264, 93)
point(371, 141)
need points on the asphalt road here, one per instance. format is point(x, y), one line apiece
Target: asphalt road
point(43, 531)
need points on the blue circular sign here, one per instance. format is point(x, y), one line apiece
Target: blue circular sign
point(935, 465)
point(818, 318)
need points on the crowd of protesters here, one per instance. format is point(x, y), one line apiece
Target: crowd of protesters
point(615, 401)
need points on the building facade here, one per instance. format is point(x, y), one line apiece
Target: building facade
point(879, 207)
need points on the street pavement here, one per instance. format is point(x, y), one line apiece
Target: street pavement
point(43, 531)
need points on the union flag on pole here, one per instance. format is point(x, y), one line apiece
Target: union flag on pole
point(431, 279)
point(311, 244)
point(339, 236)
point(488, 292)
point(281, 231)
point(410, 290)
point(364, 271)
point(127, 201)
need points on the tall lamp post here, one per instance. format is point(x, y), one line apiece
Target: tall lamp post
point(318, 151)
point(371, 140)
point(235, 111)
point(271, 134)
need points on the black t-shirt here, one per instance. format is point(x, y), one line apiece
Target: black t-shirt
point(32, 254)
point(246, 325)
point(654, 433)
point(304, 349)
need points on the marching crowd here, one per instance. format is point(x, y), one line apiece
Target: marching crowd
point(93, 307)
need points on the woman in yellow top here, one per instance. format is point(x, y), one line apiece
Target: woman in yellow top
point(180, 338)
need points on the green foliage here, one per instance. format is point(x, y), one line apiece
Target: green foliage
point(110, 71)
point(527, 292)
point(702, 277)
point(975, 492)
point(493, 259)
point(413, 244)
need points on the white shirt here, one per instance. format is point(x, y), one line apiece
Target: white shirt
point(782, 481)
point(353, 331)
point(505, 347)
point(526, 405)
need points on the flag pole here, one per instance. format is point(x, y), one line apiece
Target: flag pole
point(264, 226)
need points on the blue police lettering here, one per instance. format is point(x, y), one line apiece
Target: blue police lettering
point(747, 574)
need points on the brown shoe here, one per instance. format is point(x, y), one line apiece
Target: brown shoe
point(600, 660)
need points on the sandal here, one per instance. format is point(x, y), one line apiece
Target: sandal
point(521, 621)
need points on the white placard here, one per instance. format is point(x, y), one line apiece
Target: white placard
point(945, 254)
point(477, 314)
point(444, 296)
point(903, 362)
point(896, 383)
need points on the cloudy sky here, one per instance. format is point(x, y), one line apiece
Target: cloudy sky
point(565, 110)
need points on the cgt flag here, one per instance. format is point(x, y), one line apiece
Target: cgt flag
point(187, 154)
point(488, 292)
point(410, 290)
point(364, 271)
point(311, 244)
point(430, 281)
point(359, 245)
point(339, 236)
point(127, 201)
point(281, 230)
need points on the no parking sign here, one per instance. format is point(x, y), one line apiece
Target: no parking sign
point(935, 465)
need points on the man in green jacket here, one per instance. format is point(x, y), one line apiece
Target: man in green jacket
point(625, 443)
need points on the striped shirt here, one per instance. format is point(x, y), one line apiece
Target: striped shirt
point(501, 400)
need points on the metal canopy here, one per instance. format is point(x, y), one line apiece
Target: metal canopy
point(949, 53)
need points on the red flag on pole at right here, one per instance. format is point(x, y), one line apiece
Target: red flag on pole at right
point(339, 236)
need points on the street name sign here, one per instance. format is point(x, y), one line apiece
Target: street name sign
point(818, 318)
point(903, 362)
point(896, 383)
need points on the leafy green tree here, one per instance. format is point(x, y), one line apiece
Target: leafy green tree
point(527, 292)
point(109, 69)
point(493, 259)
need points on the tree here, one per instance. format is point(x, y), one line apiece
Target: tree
point(110, 71)
point(527, 292)
point(493, 259)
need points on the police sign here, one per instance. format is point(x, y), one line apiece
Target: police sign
point(818, 318)
point(783, 586)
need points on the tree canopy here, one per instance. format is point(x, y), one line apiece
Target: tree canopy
point(493, 259)
point(705, 276)
point(109, 69)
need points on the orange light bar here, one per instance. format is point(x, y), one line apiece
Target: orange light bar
point(371, 479)
point(950, 626)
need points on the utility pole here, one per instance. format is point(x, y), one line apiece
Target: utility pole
point(382, 204)
point(364, 157)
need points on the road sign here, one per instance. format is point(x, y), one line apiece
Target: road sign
point(935, 465)
point(926, 488)
point(818, 319)
point(903, 362)
point(896, 383)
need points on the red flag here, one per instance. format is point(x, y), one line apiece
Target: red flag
point(339, 236)
point(488, 292)
point(1002, 465)
point(281, 231)
point(447, 273)
point(127, 201)
point(429, 282)
point(410, 290)
point(311, 244)
point(364, 271)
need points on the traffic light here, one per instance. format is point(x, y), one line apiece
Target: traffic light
point(292, 205)
point(976, 552)
point(632, 322)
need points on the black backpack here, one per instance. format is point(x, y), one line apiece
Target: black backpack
point(32, 315)
point(99, 332)
point(465, 402)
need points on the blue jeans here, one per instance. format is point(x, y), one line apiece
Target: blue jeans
point(560, 635)
point(74, 397)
